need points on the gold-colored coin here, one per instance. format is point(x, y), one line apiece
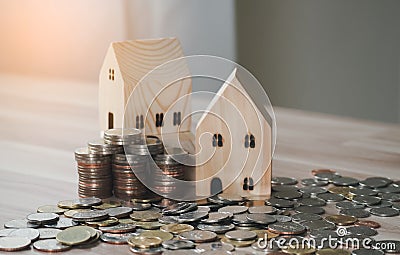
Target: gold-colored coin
point(73, 236)
point(164, 236)
point(51, 209)
point(109, 222)
point(145, 216)
point(345, 191)
point(127, 221)
point(237, 243)
point(71, 213)
point(145, 242)
point(107, 205)
point(149, 225)
point(299, 250)
point(146, 200)
point(262, 233)
point(332, 252)
point(92, 231)
point(341, 220)
point(176, 228)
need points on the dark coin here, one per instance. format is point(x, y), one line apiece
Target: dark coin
point(376, 182)
point(279, 188)
point(345, 181)
point(118, 229)
point(280, 203)
point(318, 224)
point(393, 197)
point(366, 200)
point(20, 224)
point(367, 252)
point(215, 246)
point(313, 190)
point(13, 243)
point(363, 192)
point(241, 235)
point(362, 230)
point(283, 181)
point(310, 209)
point(349, 205)
point(288, 194)
point(216, 217)
point(358, 213)
point(300, 217)
point(286, 228)
point(389, 189)
point(330, 197)
point(261, 218)
point(42, 218)
point(382, 203)
point(192, 216)
point(30, 233)
point(384, 212)
point(115, 238)
point(119, 212)
point(234, 209)
point(282, 218)
point(178, 244)
point(326, 176)
point(324, 233)
point(314, 182)
point(218, 229)
point(90, 216)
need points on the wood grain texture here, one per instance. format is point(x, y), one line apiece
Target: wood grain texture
point(130, 88)
point(233, 115)
point(43, 121)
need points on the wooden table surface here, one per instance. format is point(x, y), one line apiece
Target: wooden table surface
point(43, 121)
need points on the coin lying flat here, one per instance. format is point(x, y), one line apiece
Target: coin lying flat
point(13, 243)
point(302, 250)
point(192, 216)
point(283, 181)
point(233, 209)
point(119, 228)
point(261, 218)
point(309, 209)
point(286, 228)
point(384, 212)
point(119, 212)
point(87, 202)
point(216, 217)
point(345, 181)
point(349, 205)
point(366, 200)
point(30, 233)
point(90, 216)
point(115, 238)
point(341, 220)
point(145, 242)
point(218, 229)
point(329, 251)
point(358, 213)
point(42, 218)
point(51, 209)
point(300, 217)
point(50, 245)
point(368, 223)
point(314, 182)
point(148, 225)
point(262, 209)
point(367, 252)
point(176, 229)
point(48, 233)
point(178, 244)
point(362, 230)
point(318, 224)
point(20, 224)
point(376, 182)
point(145, 215)
point(214, 246)
point(199, 236)
point(158, 233)
point(241, 235)
point(73, 236)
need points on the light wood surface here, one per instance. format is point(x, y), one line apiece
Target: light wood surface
point(43, 121)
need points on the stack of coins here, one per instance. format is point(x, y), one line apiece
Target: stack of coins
point(152, 146)
point(167, 171)
point(119, 136)
point(100, 147)
point(94, 170)
point(124, 169)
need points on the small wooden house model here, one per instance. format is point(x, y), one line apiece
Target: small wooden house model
point(232, 140)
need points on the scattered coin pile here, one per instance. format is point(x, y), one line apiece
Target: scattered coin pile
point(223, 224)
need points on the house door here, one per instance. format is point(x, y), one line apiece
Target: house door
point(215, 186)
point(110, 120)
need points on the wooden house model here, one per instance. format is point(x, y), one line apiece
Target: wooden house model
point(232, 141)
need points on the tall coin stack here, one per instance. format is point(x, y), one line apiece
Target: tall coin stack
point(94, 170)
point(168, 170)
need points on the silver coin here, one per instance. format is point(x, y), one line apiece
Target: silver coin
point(215, 246)
point(139, 206)
point(282, 218)
point(361, 230)
point(384, 212)
point(42, 218)
point(192, 216)
point(50, 245)
point(396, 206)
point(363, 192)
point(116, 238)
point(173, 252)
point(313, 190)
point(120, 228)
point(389, 189)
point(283, 181)
point(326, 176)
point(279, 188)
point(286, 228)
point(199, 236)
point(30, 233)
point(241, 235)
point(312, 202)
point(90, 216)
point(20, 224)
point(261, 218)
point(218, 229)
point(376, 182)
point(272, 246)
point(262, 209)
point(232, 198)
point(330, 197)
point(203, 208)
point(62, 223)
point(155, 251)
point(349, 205)
point(366, 200)
point(309, 209)
point(48, 233)
point(14, 243)
point(300, 217)
point(324, 233)
point(119, 212)
point(287, 194)
point(241, 219)
point(358, 213)
point(391, 246)
point(314, 182)
point(367, 252)
point(88, 201)
point(168, 219)
point(393, 197)
point(216, 217)
point(383, 203)
point(280, 203)
point(178, 244)
point(345, 181)
point(6, 232)
point(234, 209)
point(318, 224)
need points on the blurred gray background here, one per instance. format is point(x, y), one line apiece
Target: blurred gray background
point(340, 57)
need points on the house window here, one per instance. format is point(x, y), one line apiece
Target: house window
point(111, 74)
point(248, 183)
point(177, 118)
point(215, 186)
point(139, 121)
point(249, 141)
point(217, 140)
point(159, 119)
point(110, 120)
